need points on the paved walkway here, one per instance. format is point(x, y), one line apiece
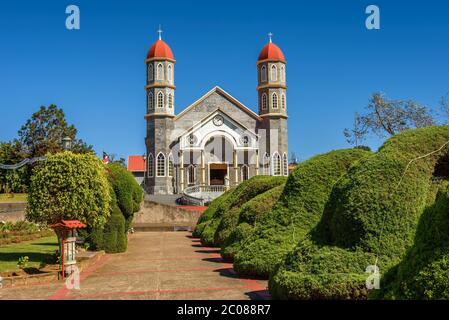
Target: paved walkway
point(157, 265)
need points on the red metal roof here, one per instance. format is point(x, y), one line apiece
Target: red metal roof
point(160, 50)
point(69, 224)
point(271, 52)
point(136, 163)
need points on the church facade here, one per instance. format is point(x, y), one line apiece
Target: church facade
point(217, 140)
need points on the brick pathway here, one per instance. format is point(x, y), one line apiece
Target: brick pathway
point(157, 265)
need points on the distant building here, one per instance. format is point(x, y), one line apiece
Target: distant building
point(137, 165)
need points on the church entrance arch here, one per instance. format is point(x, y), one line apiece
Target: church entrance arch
point(218, 150)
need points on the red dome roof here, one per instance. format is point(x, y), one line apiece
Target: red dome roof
point(160, 50)
point(271, 52)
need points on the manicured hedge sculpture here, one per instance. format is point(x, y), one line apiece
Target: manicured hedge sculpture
point(372, 215)
point(210, 229)
point(298, 210)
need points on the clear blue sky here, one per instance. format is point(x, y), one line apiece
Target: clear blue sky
point(97, 74)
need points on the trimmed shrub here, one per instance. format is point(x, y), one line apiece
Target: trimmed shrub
point(372, 215)
point(114, 233)
point(69, 186)
point(248, 216)
point(214, 233)
point(298, 210)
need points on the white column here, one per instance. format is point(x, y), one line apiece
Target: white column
point(236, 168)
point(203, 168)
point(257, 162)
point(181, 170)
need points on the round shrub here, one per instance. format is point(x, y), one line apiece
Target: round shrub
point(298, 210)
point(69, 187)
point(372, 215)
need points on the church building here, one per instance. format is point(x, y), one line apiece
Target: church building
point(216, 140)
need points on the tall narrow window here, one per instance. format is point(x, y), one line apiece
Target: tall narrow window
point(275, 101)
point(170, 73)
point(282, 74)
point(285, 164)
point(160, 100)
point(266, 164)
point(151, 165)
point(274, 73)
point(170, 101)
point(160, 71)
point(170, 165)
point(160, 171)
point(264, 101)
point(263, 74)
point(150, 72)
point(276, 164)
point(245, 172)
point(283, 101)
point(191, 174)
point(150, 101)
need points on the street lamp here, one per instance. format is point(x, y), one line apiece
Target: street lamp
point(66, 143)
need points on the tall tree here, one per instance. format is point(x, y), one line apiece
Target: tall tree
point(388, 117)
point(44, 131)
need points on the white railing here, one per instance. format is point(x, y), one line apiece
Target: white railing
point(201, 195)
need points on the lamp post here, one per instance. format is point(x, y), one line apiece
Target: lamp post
point(66, 143)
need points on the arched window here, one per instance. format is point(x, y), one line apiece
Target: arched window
point(264, 101)
point(170, 101)
point(150, 72)
point(160, 72)
point(282, 74)
point(275, 101)
point(150, 165)
point(171, 166)
point(160, 100)
point(263, 74)
point(283, 101)
point(245, 172)
point(170, 73)
point(274, 73)
point(150, 101)
point(266, 164)
point(191, 174)
point(285, 164)
point(160, 171)
point(276, 164)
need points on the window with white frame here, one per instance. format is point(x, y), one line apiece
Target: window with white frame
point(191, 172)
point(266, 164)
point(170, 165)
point(263, 74)
point(170, 73)
point(282, 74)
point(160, 170)
point(264, 101)
point(274, 73)
point(283, 101)
point(150, 165)
point(245, 172)
point(285, 164)
point(160, 100)
point(275, 101)
point(170, 101)
point(150, 72)
point(276, 164)
point(160, 72)
point(150, 101)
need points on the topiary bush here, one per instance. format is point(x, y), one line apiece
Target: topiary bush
point(248, 216)
point(298, 210)
point(114, 233)
point(69, 186)
point(214, 231)
point(371, 216)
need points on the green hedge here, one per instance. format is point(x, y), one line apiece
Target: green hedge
point(298, 210)
point(373, 212)
point(214, 232)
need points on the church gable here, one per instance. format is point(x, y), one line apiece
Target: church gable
point(216, 99)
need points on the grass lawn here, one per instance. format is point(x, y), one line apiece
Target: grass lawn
point(37, 250)
point(15, 197)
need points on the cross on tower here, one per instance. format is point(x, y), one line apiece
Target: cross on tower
point(270, 35)
point(160, 32)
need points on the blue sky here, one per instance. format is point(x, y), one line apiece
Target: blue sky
point(97, 74)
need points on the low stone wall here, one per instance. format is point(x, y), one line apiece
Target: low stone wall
point(12, 212)
point(158, 215)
